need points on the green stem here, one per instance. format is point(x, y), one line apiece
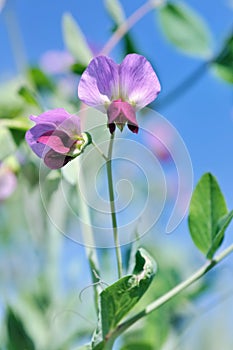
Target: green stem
point(99, 150)
point(112, 206)
point(88, 240)
point(173, 292)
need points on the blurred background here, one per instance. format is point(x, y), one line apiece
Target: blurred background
point(190, 45)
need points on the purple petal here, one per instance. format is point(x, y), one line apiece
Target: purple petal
point(58, 140)
point(55, 160)
point(57, 122)
point(71, 126)
point(54, 116)
point(8, 182)
point(56, 62)
point(99, 84)
point(34, 134)
point(139, 84)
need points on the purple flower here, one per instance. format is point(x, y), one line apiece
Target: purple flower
point(160, 140)
point(56, 137)
point(56, 62)
point(119, 90)
point(2, 4)
point(8, 182)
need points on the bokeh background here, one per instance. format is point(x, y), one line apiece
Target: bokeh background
point(43, 271)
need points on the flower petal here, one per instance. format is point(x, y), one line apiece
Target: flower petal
point(99, 84)
point(55, 160)
point(58, 140)
point(54, 116)
point(60, 118)
point(8, 182)
point(34, 133)
point(139, 85)
point(121, 112)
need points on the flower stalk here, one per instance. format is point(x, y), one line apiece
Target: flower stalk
point(112, 207)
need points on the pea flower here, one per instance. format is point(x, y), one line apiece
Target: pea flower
point(56, 137)
point(8, 181)
point(160, 140)
point(56, 62)
point(119, 89)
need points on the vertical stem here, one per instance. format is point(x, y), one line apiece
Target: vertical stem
point(88, 240)
point(112, 206)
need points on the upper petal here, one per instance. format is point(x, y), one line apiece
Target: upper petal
point(60, 119)
point(99, 84)
point(138, 82)
point(54, 116)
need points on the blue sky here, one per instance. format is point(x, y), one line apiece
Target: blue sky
point(203, 114)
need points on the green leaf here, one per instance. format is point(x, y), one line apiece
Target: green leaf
point(78, 68)
point(207, 208)
point(119, 298)
point(185, 29)
point(18, 339)
point(28, 96)
point(74, 40)
point(16, 123)
point(115, 10)
point(137, 346)
point(85, 347)
point(18, 135)
point(223, 223)
point(223, 63)
point(129, 44)
point(40, 80)
point(6, 142)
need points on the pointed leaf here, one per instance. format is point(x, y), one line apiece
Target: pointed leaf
point(18, 339)
point(115, 10)
point(207, 207)
point(16, 123)
point(85, 347)
point(28, 96)
point(78, 68)
point(74, 40)
point(185, 29)
point(223, 63)
point(119, 298)
point(6, 142)
point(223, 223)
point(40, 80)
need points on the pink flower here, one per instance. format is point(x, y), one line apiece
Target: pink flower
point(160, 140)
point(56, 62)
point(119, 89)
point(8, 182)
point(56, 137)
